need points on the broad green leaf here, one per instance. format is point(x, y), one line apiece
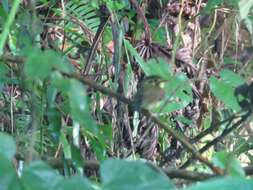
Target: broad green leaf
point(40, 63)
point(124, 175)
point(7, 146)
point(158, 67)
point(77, 96)
point(74, 183)
point(178, 94)
point(78, 105)
point(158, 34)
point(231, 78)
point(63, 64)
point(59, 82)
point(224, 92)
point(229, 163)
point(8, 176)
point(39, 176)
point(224, 184)
point(244, 7)
point(77, 100)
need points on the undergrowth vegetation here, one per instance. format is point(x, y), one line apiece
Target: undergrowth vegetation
point(126, 94)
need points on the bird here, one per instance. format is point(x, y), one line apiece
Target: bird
point(150, 91)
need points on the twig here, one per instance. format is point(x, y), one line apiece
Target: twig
point(100, 88)
point(13, 59)
point(187, 175)
point(170, 172)
point(180, 137)
point(57, 163)
point(211, 129)
point(103, 23)
point(218, 139)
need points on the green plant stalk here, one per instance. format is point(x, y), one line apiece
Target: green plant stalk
point(178, 36)
point(8, 24)
point(117, 34)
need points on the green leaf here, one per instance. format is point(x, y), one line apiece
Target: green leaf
point(224, 92)
point(77, 96)
point(231, 78)
point(77, 101)
point(244, 8)
point(124, 175)
point(224, 184)
point(178, 94)
point(74, 183)
point(158, 67)
point(7, 146)
point(78, 105)
point(40, 63)
point(40, 176)
point(229, 163)
point(8, 176)
point(62, 84)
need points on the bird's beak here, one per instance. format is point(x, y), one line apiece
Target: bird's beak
point(162, 83)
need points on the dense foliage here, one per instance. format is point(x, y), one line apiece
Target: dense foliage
point(131, 94)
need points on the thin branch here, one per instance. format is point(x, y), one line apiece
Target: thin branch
point(170, 172)
point(13, 59)
point(104, 19)
point(187, 175)
point(180, 137)
point(211, 129)
point(99, 88)
point(219, 138)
